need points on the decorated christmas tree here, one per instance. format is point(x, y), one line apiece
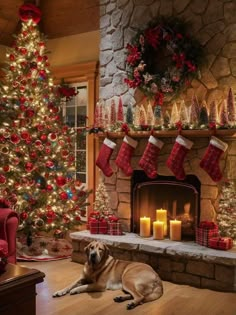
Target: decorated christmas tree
point(120, 113)
point(213, 113)
point(224, 120)
point(37, 174)
point(113, 112)
point(226, 216)
point(231, 108)
point(183, 113)
point(150, 116)
point(194, 112)
point(175, 117)
point(102, 201)
point(129, 115)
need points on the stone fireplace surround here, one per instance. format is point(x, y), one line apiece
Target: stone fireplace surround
point(179, 262)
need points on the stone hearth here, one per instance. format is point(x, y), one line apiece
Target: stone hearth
point(178, 262)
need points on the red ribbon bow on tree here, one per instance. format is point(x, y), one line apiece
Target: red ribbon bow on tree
point(29, 11)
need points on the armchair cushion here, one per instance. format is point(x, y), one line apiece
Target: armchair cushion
point(8, 228)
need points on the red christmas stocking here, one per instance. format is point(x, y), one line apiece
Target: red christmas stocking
point(123, 159)
point(210, 160)
point(104, 156)
point(148, 160)
point(177, 156)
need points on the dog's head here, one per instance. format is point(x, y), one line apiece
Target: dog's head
point(96, 252)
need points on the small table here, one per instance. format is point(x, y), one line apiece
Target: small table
point(17, 290)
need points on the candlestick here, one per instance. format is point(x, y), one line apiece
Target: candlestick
point(175, 230)
point(161, 215)
point(158, 230)
point(145, 227)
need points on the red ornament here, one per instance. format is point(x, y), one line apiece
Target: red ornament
point(12, 57)
point(29, 166)
point(49, 187)
point(6, 168)
point(29, 112)
point(2, 179)
point(38, 143)
point(49, 164)
point(61, 181)
point(23, 51)
point(64, 153)
point(23, 216)
point(63, 195)
point(25, 135)
point(43, 137)
point(15, 139)
point(50, 216)
point(52, 136)
point(33, 155)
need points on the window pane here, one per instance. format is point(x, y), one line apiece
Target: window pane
point(81, 161)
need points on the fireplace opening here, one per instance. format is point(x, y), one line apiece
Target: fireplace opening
point(181, 199)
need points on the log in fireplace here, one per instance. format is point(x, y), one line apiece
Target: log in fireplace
point(181, 199)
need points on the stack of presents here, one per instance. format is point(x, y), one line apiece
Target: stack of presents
point(207, 234)
point(100, 223)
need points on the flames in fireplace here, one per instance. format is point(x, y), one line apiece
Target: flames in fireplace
point(181, 199)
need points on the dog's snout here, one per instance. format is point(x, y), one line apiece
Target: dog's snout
point(93, 254)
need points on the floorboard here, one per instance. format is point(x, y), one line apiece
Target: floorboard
point(177, 299)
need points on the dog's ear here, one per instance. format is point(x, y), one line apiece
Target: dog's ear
point(86, 249)
point(107, 250)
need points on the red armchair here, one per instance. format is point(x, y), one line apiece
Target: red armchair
point(8, 226)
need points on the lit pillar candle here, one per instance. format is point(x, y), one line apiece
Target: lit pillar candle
point(158, 230)
point(161, 215)
point(175, 230)
point(145, 227)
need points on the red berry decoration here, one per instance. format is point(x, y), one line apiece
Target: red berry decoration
point(12, 57)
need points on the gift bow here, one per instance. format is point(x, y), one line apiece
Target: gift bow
point(207, 225)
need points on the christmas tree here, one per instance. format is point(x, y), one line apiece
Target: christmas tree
point(37, 172)
point(102, 201)
point(231, 108)
point(226, 216)
point(113, 113)
point(224, 120)
point(213, 113)
point(194, 112)
point(129, 115)
point(175, 117)
point(150, 116)
point(120, 113)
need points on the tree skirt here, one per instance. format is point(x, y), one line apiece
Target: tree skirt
point(43, 248)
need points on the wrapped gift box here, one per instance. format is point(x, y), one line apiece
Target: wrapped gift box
point(223, 243)
point(114, 228)
point(205, 232)
point(98, 227)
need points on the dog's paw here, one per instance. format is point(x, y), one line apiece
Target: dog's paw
point(59, 293)
point(130, 306)
point(74, 291)
point(118, 299)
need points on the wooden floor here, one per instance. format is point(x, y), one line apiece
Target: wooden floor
point(177, 299)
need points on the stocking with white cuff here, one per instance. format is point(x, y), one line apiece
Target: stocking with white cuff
point(104, 157)
point(148, 160)
point(123, 159)
point(177, 156)
point(211, 158)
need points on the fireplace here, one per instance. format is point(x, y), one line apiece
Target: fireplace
point(181, 199)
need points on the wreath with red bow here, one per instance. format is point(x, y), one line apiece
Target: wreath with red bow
point(162, 59)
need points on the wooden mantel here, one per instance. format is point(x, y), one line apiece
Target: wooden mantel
point(199, 133)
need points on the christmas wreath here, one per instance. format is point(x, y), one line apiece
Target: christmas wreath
point(162, 59)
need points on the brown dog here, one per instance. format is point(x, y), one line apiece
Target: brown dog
point(102, 272)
